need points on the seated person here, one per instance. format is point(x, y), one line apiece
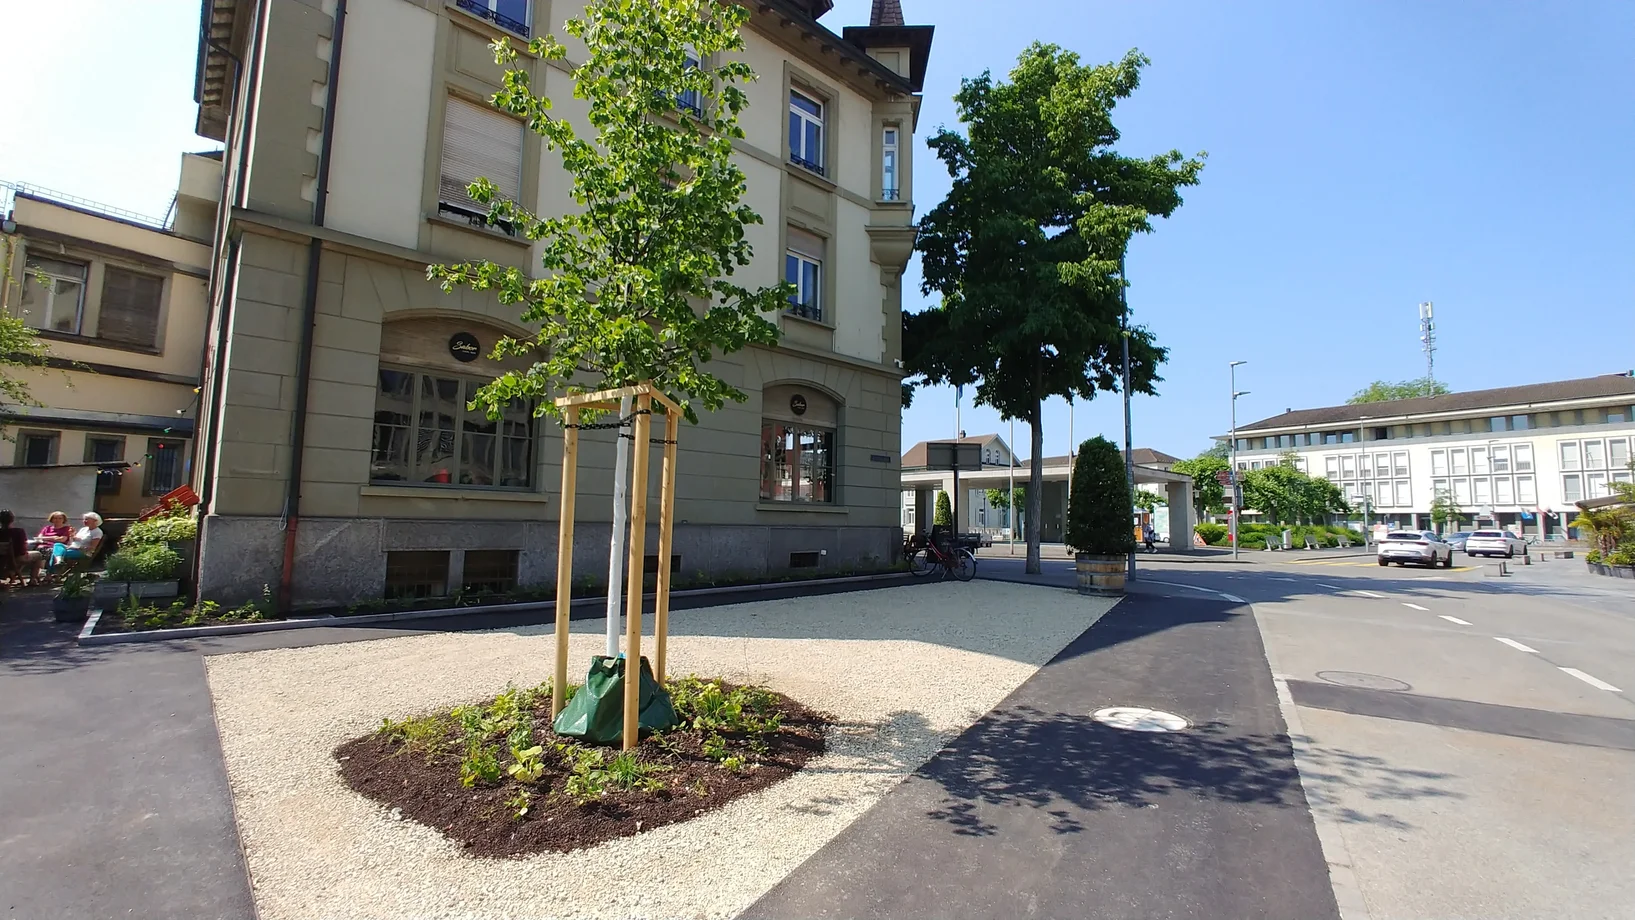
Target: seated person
point(56, 530)
point(83, 544)
point(22, 558)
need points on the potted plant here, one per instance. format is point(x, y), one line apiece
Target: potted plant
point(1100, 518)
point(176, 529)
point(72, 601)
point(149, 570)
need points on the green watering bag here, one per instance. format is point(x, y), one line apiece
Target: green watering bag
point(596, 712)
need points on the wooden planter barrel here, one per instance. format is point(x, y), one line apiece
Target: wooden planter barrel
point(1100, 575)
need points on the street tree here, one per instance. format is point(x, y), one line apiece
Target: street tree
point(1445, 510)
point(1286, 495)
point(1148, 502)
point(1027, 249)
point(1385, 390)
point(637, 281)
point(1208, 495)
point(1001, 498)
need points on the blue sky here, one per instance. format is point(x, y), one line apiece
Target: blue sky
point(1363, 157)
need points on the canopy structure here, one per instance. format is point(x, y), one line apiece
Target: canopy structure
point(573, 409)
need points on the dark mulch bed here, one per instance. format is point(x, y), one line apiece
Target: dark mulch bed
point(425, 786)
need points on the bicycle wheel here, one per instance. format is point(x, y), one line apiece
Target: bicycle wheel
point(921, 563)
point(964, 565)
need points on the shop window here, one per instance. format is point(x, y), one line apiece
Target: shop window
point(417, 573)
point(54, 294)
point(490, 571)
point(797, 463)
point(163, 463)
point(478, 142)
point(37, 448)
point(105, 450)
point(425, 435)
point(130, 308)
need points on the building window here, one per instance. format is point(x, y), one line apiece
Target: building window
point(1348, 467)
point(130, 308)
point(889, 189)
point(1382, 434)
point(1331, 437)
point(1569, 455)
point(1405, 495)
point(1498, 423)
point(490, 571)
point(1501, 459)
point(1365, 464)
point(1595, 455)
point(1524, 458)
point(1572, 487)
point(105, 450)
point(1518, 423)
point(1460, 465)
point(417, 573)
point(54, 294)
point(164, 464)
point(1347, 437)
point(1595, 485)
point(1331, 468)
point(512, 15)
point(1478, 461)
point(797, 463)
point(425, 435)
point(1461, 491)
point(1243, 443)
point(1400, 461)
point(37, 448)
point(477, 142)
point(1503, 492)
point(1439, 463)
point(805, 131)
point(691, 100)
point(1439, 485)
point(1618, 454)
point(1526, 494)
point(803, 268)
point(1482, 490)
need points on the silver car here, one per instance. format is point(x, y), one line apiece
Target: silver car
point(1420, 547)
point(1457, 540)
point(1495, 543)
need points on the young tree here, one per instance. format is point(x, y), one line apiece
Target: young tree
point(1445, 510)
point(1208, 495)
point(1001, 498)
point(944, 515)
point(636, 282)
point(1385, 390)
point(1027, 249)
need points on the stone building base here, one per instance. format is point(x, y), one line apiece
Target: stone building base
point(340, 561)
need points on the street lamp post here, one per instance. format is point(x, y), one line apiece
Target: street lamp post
point(1232, 369)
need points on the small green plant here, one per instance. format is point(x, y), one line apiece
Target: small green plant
point(425, 734)
point(147, 562)
point(75, 585)
point(480, 766)
point(519, 803)
point(626, 772)
point(529, 764)
point(734, 763)
point(587, 780)
point(1621, 557)
point(173, 527)
point(1593, 557)
point(715, 747)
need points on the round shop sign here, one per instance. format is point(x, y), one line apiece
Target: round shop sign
point(797, 404)
point(464, 347)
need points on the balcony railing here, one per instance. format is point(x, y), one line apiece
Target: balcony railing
point(480, 9)
point(891, 194)
point(809, 311)
point(806, 164)
point(474, 217)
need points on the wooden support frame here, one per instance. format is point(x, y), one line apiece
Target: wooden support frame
point(574, 407)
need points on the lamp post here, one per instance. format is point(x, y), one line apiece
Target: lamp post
point(1129, 451)
point(1010, 502)
point(1232, 369)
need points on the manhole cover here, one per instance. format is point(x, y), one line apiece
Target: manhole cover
point(1137, 719)
point(1363, 681)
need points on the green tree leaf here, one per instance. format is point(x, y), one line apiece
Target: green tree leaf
point(1385, 390)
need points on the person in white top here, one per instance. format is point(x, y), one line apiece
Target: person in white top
point(83, 544)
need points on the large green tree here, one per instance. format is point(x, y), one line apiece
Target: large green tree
point(1027, 249)
point(1285, 495)
point(1208, 495)
point(636, 282)
point(1385, 390)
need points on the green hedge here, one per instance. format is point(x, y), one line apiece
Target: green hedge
point(1213, 534)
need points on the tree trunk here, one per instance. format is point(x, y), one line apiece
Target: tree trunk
point(1036, 489)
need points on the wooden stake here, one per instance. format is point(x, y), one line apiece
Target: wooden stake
point(564, 557)
point(638, 540)
point(667, 520)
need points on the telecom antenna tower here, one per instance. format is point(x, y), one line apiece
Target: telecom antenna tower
point(1427, 342)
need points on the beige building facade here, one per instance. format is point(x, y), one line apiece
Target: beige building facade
point(119, 301)
point(337, 458)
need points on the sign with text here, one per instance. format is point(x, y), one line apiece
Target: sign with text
point(953, 455)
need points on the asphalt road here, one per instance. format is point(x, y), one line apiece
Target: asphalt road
point(1466, 741)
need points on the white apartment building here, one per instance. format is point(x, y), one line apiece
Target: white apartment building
point(1517, 457)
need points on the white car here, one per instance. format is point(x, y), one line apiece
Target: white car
point(1420, 547)
point(1494, 543)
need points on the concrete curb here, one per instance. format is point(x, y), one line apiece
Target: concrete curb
point(88, 635)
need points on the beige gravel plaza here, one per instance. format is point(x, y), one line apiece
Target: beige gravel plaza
point(903, 670)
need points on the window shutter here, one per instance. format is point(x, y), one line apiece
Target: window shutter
point(807, 244)
point(479, 142)
point(130, 308)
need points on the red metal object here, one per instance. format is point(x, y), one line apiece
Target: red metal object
point(182, 496)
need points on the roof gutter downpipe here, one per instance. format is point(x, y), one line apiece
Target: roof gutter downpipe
point(309, 317)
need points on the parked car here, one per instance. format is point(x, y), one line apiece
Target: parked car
point(1417, 546)
point(1495, 543)
point(1457, 540)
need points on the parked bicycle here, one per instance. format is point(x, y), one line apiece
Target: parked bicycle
point(939, 553)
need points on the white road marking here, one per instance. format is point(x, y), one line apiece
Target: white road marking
point(1415, 606)
point(1175, 584)
point(1234, 598)
point(1455, 620)
point(1516, 645)
point(1275, 578)
point(1595, 682)
point(1335, 587)
point(1370, 594)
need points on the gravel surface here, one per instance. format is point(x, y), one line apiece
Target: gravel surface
point(902, 670)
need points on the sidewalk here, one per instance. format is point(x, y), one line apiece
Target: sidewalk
point(1039, 811)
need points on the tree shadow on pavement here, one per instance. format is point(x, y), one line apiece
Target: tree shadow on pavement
point(1333, 770)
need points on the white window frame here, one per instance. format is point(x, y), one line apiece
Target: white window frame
point(1399, 463)
point(1524, 458)
point(1504, 491)
point(807, 301)
point(808, 159)
point(1348, 467)
point(1439, 463)
point(1478, 462)
point(1461, 492)
point(1526, 491)
point(1405, 494)
point(1576, 491)
point(34, 274)
point(691, 99)
point(890, 164)
point(1595, 484)
point(1501, 458)
point(1591, 462)
point(1458, 462)
point(1571, 457)
point(1481, 490)
point(1614, 447)
point(1331, 468)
